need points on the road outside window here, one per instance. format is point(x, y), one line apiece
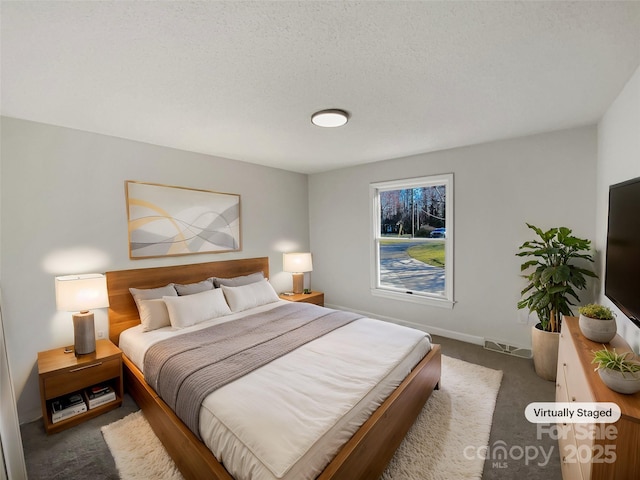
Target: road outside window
point(412, 252)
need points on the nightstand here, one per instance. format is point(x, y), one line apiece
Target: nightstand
point(63, 373)
point(317, 298)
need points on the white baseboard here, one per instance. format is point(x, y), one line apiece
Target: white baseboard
point(463, 337)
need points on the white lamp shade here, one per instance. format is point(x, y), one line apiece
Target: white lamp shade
point(297, 262)
point(79, 293)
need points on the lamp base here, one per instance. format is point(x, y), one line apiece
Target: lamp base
point(298, 282)
point(84, 333)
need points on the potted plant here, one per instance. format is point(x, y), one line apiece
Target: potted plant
point(597, 323)
point(554, 275)
point(619, 373)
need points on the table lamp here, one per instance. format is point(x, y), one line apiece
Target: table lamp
point(80, 293)
point(297, 264)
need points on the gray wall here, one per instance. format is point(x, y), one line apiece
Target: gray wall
point(63, 212)
point(618, 160)
point(498, 187)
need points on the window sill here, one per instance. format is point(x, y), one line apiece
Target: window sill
point(413, 298)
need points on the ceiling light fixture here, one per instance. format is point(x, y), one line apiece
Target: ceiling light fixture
point(330, 118)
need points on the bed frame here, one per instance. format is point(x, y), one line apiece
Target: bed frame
point(364, 456)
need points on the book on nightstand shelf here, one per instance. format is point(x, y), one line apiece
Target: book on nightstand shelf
point(67, 406)
point(99, 395)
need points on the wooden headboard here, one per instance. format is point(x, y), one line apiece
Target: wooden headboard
point(123, 312)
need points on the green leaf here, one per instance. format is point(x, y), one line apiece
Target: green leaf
point(563, 233)
point(546, 275)
point(535, 229)
point(561, 274)
point(526, 289)
point(571, 292)
point(557, 289)
point(528, 264)
point(586, 272)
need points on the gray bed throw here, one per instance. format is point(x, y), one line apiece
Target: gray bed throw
point(185, 369)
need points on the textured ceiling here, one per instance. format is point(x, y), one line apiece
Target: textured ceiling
point(241, 79)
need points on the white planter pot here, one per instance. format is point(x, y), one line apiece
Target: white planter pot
point(628, 383)
point(544, 346)
point(596, 330)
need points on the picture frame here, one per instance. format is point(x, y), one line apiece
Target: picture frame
point(166, 220)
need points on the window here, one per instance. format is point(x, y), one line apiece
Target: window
point(412, 254)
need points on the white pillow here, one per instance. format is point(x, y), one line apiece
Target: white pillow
point(153, 314)
point(250, 296)
point(191, 309)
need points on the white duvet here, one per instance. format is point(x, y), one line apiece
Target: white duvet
point(288, 419)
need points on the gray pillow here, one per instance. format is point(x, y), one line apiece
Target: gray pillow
point(238, 281)
point(152, 293)
point(192, 288)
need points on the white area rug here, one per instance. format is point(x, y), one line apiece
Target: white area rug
point(441, 445)
point(456, 421)
point(137, 451)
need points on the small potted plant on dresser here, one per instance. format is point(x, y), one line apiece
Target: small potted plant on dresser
point(617, 371)
point(597, 323)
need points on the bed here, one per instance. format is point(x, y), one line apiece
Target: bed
point(361, 455)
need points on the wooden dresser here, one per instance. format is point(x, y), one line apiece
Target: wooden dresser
point(583, 457)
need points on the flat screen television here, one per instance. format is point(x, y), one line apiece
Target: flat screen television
point(622, 271)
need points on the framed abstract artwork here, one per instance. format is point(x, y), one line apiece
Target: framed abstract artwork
point(165, 220)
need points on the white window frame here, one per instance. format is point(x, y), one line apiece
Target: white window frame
point(444, 301)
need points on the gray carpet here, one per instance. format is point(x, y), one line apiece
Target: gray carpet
point(80, 452)
point(74, 454)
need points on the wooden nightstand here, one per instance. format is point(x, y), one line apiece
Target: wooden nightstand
point(63, 373)
point(317, 298)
